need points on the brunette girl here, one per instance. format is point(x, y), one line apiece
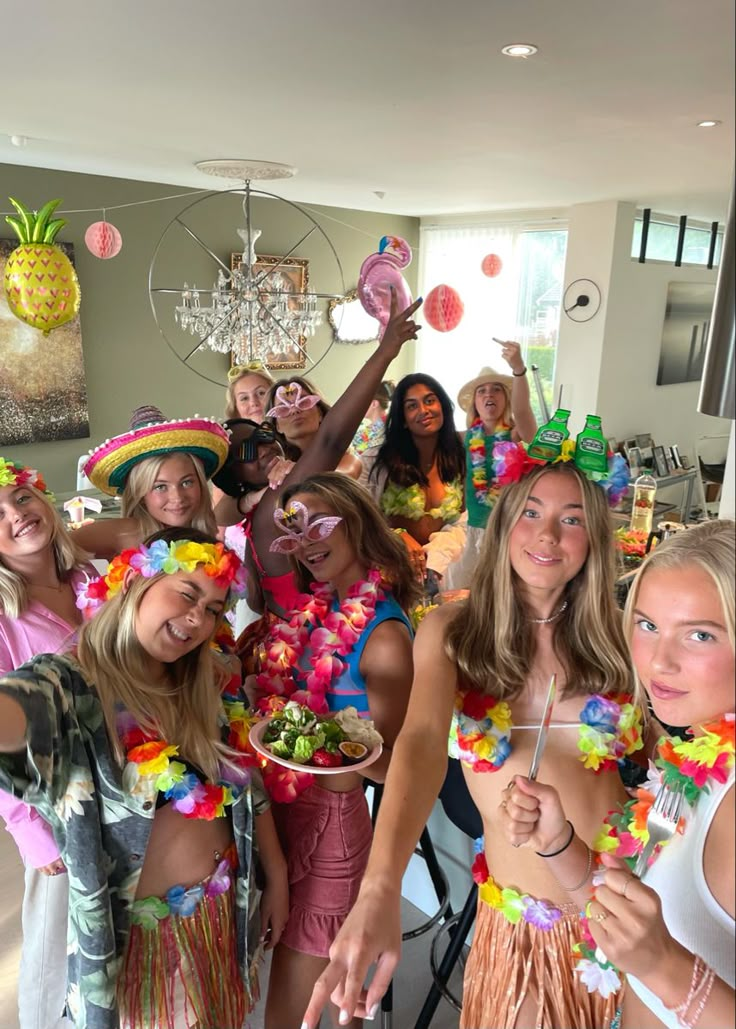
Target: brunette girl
point(359, 573)
point(541, 606)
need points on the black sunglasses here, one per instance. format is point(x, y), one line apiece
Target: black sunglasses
point(248, 449)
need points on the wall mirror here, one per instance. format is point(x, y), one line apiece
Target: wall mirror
point(350, 322)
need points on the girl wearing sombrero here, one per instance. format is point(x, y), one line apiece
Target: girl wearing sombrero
point(160, 469)
point(498, 409)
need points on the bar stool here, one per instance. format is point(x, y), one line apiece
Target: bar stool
point(462, 812)
point(425, 849)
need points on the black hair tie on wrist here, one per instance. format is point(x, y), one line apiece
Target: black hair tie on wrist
point(518, 375)
point(554, 853)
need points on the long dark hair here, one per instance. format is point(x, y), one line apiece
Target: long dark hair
point(399, 455)
point(375, 545)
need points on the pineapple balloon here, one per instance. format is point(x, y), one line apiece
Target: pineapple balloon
point(41, 285)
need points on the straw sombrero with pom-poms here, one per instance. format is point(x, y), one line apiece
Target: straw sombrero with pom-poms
point(151, 435)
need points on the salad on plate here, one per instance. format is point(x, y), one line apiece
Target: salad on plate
point(297, 734)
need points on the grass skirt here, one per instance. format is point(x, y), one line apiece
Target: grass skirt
point(507, 962)
point(181, 970)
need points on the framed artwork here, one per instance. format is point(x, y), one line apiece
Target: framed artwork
point(281, 276)
point(43, 389)
point(676, 459)
point(633, 456)
point(685, 332)
point(660, 462)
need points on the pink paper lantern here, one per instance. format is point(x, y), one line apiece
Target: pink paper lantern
point(491, 265)
point(443, 308)
point(103, 240)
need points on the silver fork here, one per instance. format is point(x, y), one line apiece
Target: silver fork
point(661, 822)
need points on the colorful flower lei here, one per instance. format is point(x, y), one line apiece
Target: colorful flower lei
point(220, 563)
point(410, 502)
point(689, 764)
point(511, 463)
point(328, 633)
point(12, 474)
point(147, 755)
point(475, 441)
point(514, 906)
point(480, 734)
point(369, 434)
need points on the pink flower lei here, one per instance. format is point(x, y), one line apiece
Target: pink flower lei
point(328, 634)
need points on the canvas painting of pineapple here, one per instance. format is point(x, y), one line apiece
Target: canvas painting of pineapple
point(43, 390)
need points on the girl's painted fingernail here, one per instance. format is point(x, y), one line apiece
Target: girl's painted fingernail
point(373, 1011)
point(420, 300)
point(344, 1018)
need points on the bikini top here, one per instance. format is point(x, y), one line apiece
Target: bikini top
point(282, 588)
point(609, 730)
point(410, 502)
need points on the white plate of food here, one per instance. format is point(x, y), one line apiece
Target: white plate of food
point(326, 744)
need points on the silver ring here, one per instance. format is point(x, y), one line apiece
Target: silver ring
point(628, 882)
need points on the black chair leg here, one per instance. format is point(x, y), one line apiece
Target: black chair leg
point(454, 948)
point(433, 867)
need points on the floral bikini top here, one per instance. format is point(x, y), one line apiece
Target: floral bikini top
point(410, 502)
point(480, 734)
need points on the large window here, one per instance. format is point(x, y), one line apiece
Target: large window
point(521, 302)
point(662, 241)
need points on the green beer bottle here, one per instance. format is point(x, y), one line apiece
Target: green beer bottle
point(591, 447)
point(547, 444)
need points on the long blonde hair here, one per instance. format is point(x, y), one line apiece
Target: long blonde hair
point(491, 639)
point(186, 711)
point(231, 404)
point(68, 556)
point(710, 547)
point(140, 482)
point(375, 545)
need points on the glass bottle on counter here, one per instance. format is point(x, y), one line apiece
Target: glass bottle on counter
point(642, 507)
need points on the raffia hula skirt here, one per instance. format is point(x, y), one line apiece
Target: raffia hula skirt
point(508, 962)
point(180, 968)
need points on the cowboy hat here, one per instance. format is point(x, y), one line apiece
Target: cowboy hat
point(466, 396)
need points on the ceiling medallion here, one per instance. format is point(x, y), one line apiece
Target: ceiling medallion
point(241, 170)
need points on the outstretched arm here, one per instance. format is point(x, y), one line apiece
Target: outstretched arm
point(521, 408)
point(337, 429)
point(109, 536)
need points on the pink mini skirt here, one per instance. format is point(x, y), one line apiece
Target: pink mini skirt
point(326, 838)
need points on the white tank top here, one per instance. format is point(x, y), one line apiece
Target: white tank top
point(691, 913)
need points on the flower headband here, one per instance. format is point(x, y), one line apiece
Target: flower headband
point(298, 532)
point(290, 399)
point(511, 463)
point(220, 563)
point(12, 474)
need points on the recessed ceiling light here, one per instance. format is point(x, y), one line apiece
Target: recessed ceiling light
point(519, 50)
point(19, 141)
point(708, 124)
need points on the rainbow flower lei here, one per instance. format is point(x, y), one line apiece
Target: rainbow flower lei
point(511, 462)
point(12, 474)
point(220, 563)
point(480, 734)
point(689, 764)
point(475, 441)
point(514, 906)
point(146, 755)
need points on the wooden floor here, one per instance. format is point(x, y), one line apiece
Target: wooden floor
point(412, 981)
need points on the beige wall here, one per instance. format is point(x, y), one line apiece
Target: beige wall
point(127, 362)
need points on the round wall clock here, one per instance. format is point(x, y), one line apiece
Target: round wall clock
point(582, 300)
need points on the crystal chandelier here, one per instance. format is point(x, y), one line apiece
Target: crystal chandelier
point(255, 311)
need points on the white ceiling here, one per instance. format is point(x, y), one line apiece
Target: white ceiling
point(409, 97)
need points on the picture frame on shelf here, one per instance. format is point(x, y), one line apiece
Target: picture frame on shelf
point(645, 443)
point(281, 275)
point(676, 459)
point(660, 462)
point(633, 457)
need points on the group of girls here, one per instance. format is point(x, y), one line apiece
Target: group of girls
point(142, 814)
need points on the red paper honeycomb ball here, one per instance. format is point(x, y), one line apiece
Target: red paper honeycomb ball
point(491, 265)
point(443, 308)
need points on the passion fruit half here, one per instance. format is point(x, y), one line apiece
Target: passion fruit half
point(353, 752)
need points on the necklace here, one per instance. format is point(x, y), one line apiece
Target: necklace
point(476, 444)
point(692, 765)
point(546, 621)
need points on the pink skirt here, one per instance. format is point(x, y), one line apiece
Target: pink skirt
point(326, 837)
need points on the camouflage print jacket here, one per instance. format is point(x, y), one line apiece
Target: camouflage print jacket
point(69, 774)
